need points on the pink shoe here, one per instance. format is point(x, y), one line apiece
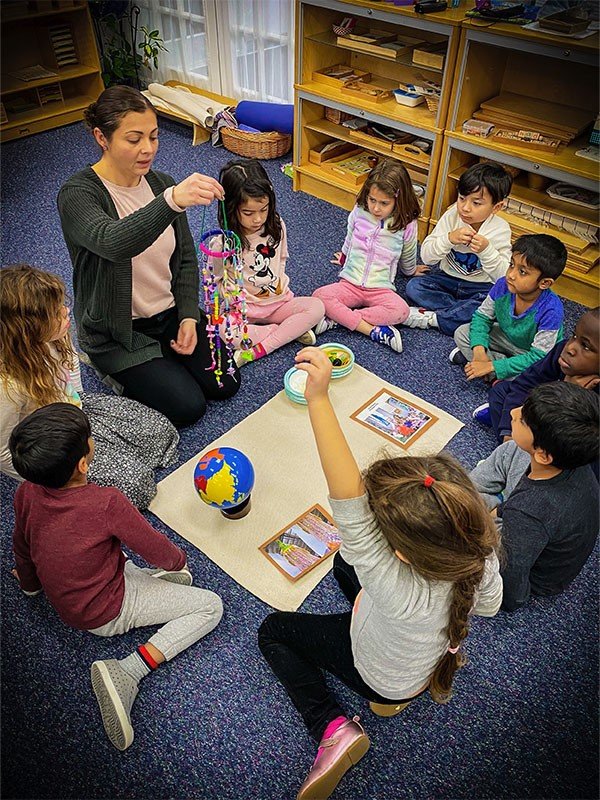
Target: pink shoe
point(336, 755)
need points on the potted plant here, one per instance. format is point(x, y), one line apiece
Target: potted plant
point(127, 51)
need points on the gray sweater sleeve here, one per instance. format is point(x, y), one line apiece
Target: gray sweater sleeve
point(393, 586)
point(90, 226)
point(500, 472)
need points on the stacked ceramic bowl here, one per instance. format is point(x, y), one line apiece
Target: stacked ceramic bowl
point(342, 359)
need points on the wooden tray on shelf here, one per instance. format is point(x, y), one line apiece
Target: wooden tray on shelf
point(413, 153)
point(325, 153)
point(338, 74)
point(367, 91)
point(568, 119)
point(352, 170)
point(430, 55)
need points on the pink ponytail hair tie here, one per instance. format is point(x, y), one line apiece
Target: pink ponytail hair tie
point(454, 650)
point(428, 481)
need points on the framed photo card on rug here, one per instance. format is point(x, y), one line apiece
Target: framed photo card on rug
point(304, 543)
point(395, 418)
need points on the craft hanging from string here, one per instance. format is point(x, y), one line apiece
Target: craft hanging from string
point(224, 299)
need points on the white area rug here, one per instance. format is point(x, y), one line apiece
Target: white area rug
point(278, 440)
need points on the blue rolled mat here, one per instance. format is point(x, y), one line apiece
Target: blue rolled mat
point(266, 116)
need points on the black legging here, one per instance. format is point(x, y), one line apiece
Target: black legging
point(300, 647)
point(177, 386)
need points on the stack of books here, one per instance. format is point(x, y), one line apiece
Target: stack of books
point(63, 45)
point(50, 94)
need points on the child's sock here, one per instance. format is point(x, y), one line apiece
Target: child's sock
point(258, 351)
point(138, 664)
point(332, 727)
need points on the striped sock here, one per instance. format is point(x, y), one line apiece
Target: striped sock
point(258, 351)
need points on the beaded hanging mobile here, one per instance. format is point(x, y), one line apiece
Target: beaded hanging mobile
point(225, 304)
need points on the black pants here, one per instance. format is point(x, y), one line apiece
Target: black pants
point(300, 647)
point(177, 386)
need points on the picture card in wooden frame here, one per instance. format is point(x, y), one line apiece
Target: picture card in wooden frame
point(395, 418)
point(303, 543)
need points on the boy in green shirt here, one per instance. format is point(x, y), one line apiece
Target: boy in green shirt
point(521, 319)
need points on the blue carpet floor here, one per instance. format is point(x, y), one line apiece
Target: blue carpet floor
point(214, 723)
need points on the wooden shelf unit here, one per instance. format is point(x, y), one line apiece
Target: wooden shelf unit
point(574, 284)
point(480, 63)
point(537, 68)
point(25, 43)
point(317, 48)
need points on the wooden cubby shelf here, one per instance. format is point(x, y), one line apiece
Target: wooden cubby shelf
point(480, 64)
point(29, 31)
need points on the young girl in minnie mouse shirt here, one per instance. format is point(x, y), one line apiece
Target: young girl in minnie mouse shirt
point(276, 317)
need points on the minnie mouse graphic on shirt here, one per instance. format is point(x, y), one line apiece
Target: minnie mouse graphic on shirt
point(263, 278)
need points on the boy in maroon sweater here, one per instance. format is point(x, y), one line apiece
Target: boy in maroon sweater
point(67, 542)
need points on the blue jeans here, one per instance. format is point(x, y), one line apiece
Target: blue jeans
point(497, 399)
point(453, 299)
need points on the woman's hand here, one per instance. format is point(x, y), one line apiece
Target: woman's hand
point(421, 269)
point(187, 338)
point(197, 190)
point(315, 363)
point(337, 259)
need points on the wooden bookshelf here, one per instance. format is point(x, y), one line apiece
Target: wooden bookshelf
point(26, 42)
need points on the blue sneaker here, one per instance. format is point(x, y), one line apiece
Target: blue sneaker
point(482, 415)
point(388, 335)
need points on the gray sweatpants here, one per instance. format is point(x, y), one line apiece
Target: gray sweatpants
point(500, 345)
point(188, 611)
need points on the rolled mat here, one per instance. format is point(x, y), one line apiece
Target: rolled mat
point(265, 116)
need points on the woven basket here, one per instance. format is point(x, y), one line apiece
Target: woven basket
point(333, 115)
point(256, 145)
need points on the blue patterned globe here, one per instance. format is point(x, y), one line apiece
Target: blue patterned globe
point(224, 477)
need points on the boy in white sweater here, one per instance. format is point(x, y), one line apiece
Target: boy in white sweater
point(471, 245)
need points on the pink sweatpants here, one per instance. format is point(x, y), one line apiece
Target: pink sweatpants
point(276, 324)
point(348, 304)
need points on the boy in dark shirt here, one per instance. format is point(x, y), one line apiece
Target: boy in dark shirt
point(67, 542)
point(550, 511)
point(575, 361)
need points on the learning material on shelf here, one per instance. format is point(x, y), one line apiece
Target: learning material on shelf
point(379, 43)
point(63, 45)
point(592, 153)
point(331, 150)
point(353, 169)
point(339, 74)
point(554, 117)
point(527, 139)
point(430, 55)
point(33, 73)
point(573, 194)
point(367, 91)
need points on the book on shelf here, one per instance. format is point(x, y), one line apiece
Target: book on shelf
point(34, 73)
point(63, 45)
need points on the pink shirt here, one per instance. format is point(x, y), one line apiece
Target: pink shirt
point(150, 271)
point(263, 266)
